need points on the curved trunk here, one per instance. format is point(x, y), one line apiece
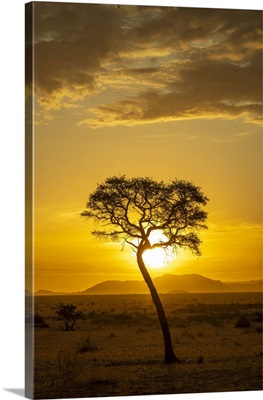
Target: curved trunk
point(170, 357)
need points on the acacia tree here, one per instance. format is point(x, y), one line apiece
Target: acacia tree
point(69, 315)
point(130, 210)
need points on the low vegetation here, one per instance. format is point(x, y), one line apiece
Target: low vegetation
point(69, 314)
point(68, 367)
point(242, 322)
point(105, 354)
point(85, 345)
point(36, 320)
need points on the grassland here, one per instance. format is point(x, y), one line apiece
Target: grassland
point(117, 349)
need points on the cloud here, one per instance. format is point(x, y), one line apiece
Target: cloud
point(70, 44)
point(160, 63)
point(203, 89)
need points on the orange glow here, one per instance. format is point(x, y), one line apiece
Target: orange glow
point(158, 257)
point(151, 106)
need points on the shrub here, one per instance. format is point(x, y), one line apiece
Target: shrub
point(178, 322)
point(242, 322)
point(188, 334)
point(68, 367)
point(257, 317)
point(123, 317)
point(39, 322)
point(69, 314)
point(86, 345)
point(100, 380)
point(200, 334)
point(200, 359)
point(204, 318)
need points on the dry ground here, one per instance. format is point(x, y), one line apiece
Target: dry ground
point(124, 355)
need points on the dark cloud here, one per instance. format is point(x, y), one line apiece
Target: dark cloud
point(168, 62)
point(71, 41)
point(204, 88)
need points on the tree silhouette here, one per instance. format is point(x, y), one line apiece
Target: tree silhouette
point(130, 210)
point(69, 315)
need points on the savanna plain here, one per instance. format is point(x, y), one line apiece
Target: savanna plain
point(116, 349)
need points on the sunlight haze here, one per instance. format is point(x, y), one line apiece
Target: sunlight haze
point(153, 92)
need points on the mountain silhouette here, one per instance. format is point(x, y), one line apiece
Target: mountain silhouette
point(118, 287)
point(49, 293)
point(190, 283)
point(168, 283)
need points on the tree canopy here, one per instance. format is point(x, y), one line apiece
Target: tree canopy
point(129, 210)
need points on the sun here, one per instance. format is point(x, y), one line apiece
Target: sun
point(158, 257)
point(155, 258)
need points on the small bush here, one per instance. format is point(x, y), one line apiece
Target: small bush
point(188, 335)
point(99, 377)
point(92, 314)
point(86, 346)
point(178, 322)
point(68, 367)
point(200, 360)
point(204, 318)
point(257, 317)
point(200, 334)
point(123, 317)
point(141, 330)
point(242, 322)
point(39, 322)
point(100, 380)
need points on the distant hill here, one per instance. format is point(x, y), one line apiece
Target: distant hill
point(49, 293)
point(118, 287)
point(199, 284)
point(169, 283)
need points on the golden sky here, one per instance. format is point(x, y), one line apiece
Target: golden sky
point(145, 91)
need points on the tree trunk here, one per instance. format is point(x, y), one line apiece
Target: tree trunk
point(170, 357)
